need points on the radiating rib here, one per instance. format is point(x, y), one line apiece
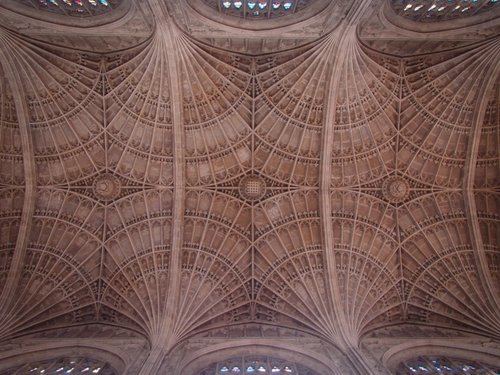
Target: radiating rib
point(137, 257)
point(437, 112)
point(11, 205)
point(439, 266)
point(217, 105)
point(64, 109)
point(488, 159)
point(11, 160)
point(139, 115)
point(215, 261)
point(289, 263)
point(61, 264)
point(366, 116)
point(366, 258)
point(289, 99)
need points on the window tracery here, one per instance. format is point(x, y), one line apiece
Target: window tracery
point(61, 366)
point(78, 8)
point(444, 365)
point(255, 365)
point(258, 9)
point(441, 10)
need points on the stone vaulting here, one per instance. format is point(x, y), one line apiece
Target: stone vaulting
point(185, 184)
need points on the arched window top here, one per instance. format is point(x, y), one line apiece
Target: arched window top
point(441, 10)
point(444, 366)
point(256, 365)
point(258, 9)
point(75, 8)
point(62, 366)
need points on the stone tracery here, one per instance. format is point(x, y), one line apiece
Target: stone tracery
point(437, 365)
point(74, 8)
point(64, 365)
point(256, 364)
point(435, 11)
point(262, 9)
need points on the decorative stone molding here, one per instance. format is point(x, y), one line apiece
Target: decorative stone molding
point(395, 189)
point(107, 187)
point(252, 187)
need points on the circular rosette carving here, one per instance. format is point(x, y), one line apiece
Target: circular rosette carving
point(252, 187)
point(395, 189)
point(107, 187)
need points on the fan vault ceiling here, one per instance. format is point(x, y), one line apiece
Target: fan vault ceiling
point(170, 176)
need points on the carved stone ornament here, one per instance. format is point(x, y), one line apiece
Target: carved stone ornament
point(395, 189)
point(252, 187)
point(107, 187)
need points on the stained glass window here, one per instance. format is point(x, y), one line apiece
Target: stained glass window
point(441, 10)
point(61, 366)
point(257, 9)
point(256, 366)
point(444, 366)
point(79, 8)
